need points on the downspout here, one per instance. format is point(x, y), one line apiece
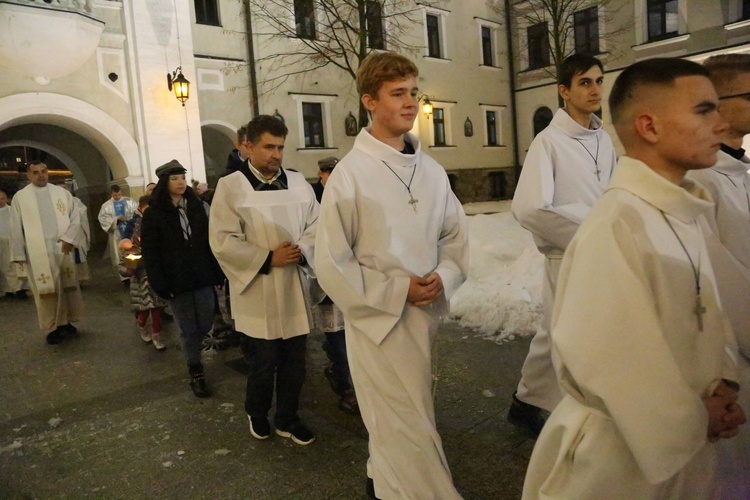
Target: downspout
point(251, 57)
point(512, 71)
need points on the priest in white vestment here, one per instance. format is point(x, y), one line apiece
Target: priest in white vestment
point(10, 285)
point(566, 169)
point(262, 232)
point(391, 249)
point(45, 229)
point(114, 214)
point(641, 345)
point(728, 183)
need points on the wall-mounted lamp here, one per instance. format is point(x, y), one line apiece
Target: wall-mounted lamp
point(427, 107)
point(278, 116)
point(177, 81)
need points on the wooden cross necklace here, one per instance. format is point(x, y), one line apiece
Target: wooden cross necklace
point(595, 158)
point(700, 309)
point(412, 201)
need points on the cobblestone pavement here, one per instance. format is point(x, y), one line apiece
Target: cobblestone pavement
point(104, 415)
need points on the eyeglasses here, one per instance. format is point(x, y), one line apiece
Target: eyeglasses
point(744, 95)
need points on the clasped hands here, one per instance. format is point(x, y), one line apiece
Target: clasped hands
point(424, 291)
point(724, 414)
point(285, 254)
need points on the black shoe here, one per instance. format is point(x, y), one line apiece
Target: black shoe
point(328, 373)
point(348, 403)
point(21, 294)
point(68, 329)
point(298, 433)
point(198, 381)
point(370, 488)
point(54, 337)
point(9, 295)
point(525, 416)
point(259, 427)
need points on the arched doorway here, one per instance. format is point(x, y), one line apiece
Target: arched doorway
point(542, 118)
point(92, 145)
point(218, 141)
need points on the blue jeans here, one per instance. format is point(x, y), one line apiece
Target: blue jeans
point(194, 312)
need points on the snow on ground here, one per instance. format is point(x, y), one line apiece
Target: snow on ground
point(502, 296)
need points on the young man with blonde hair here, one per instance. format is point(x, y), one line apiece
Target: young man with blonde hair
point(391, 249)
point(641, 345)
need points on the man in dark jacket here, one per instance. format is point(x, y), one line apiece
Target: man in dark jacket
point(239, 156)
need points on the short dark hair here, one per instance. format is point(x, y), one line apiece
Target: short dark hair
point(725, 68)
point(262, 124)
point(143, 200)
point(114, 189)
point(34, 163)
point(242, 133)
point(660, 72)
point(576, 64)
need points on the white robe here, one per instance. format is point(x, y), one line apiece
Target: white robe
point(9, 283)
point(370, 242)
point(41, 219)
point(628, 351)
point(108, 222)
point(729, 185)
point(557, 187)
point(244, 226)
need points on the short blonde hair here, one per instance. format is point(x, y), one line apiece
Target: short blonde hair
point(378, 68)
point(724, 68)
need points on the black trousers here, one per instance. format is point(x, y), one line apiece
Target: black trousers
point(279, 359)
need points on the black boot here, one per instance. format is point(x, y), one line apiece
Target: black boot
point(197, 381)
point(525, 416)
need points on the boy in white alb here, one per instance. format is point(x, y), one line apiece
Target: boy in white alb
point(566, 169)
point(391, 248)
point(641, 345)
point(728, 183)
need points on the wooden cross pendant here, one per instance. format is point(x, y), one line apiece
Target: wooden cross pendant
point(413, 202)
point(699, 310)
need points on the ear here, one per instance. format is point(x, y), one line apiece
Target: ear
point(564, 92)
point(369, 102)
point(647, 127)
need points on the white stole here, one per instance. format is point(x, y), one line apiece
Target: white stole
point(44, 270)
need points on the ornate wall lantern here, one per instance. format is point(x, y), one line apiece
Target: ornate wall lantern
point(177, 81)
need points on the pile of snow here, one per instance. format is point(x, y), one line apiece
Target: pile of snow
point(502, 296)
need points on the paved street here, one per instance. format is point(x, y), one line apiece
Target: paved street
point(105, 416)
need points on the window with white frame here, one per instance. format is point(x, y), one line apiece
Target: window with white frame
point(207, 12)
point(662, 19)
point(304, 19)
point(441, 131)
point(314, 119)
point(488, 36)
point(493, 134)
point(586, 30)
point(435, 33)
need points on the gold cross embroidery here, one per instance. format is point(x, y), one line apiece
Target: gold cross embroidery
point(68, 272)
point(61, 207)
point(42, 279)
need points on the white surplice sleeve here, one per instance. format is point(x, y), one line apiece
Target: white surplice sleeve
point(617, 359)
point(107, 218)
point(453, 250)
point(17, 243)
point(368, 298)
point(307, 240)
point(239, 257)
point(532, 204)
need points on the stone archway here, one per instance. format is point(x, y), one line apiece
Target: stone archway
point(107, 135)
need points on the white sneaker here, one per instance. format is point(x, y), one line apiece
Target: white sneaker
point(143, 332)
point(157, 343)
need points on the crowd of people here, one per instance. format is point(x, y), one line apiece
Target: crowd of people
point(634, 386)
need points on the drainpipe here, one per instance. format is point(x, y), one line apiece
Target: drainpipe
point(251, 56)
point(512, 71)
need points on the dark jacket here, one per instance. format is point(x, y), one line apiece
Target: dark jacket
point(234, 162)
point(318, 188)
point(175, 265)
